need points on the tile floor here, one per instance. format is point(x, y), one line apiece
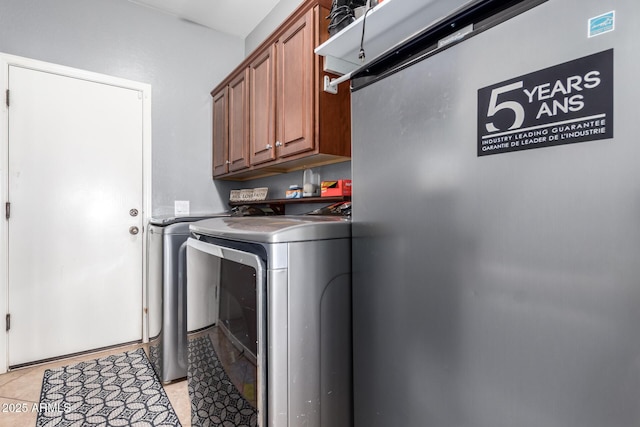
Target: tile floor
point(21, 388)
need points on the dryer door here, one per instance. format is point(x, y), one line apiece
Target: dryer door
point(239, 341)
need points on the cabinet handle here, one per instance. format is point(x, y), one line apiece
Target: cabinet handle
point(278, 144)
point(269, 147)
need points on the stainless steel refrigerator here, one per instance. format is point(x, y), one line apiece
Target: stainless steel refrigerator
point(496, 220)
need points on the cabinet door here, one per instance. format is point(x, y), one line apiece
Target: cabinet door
point(262, 107)
point(220, 133)
point(295, 88)
point(239, 122)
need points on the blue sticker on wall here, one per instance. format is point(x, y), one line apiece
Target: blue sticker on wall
point(602, 24)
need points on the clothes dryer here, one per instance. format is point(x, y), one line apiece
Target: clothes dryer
point(283, 335)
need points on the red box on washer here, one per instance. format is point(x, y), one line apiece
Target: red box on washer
point(341, 187)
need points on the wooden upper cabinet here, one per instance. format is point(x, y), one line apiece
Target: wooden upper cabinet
point(295, 88)
point(262, 112)
point(279, 119)
point(220, 133)
point(231, 126)
point(239, 122)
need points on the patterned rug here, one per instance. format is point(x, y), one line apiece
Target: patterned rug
point(215, 401)
point(118, 390)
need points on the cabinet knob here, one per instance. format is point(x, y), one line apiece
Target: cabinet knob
point(228, 162)
point(269, 147)
point(278, 144)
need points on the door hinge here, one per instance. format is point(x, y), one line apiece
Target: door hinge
point(8, 318)
point(7, 97)
point(7, 210)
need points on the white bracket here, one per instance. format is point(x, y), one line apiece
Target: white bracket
point(330, 86)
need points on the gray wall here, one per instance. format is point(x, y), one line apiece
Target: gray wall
point(181, 61)
point(277, 15)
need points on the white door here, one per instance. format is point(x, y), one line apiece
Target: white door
point(75, 177)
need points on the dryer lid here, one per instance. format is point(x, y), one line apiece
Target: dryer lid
point(274, 229)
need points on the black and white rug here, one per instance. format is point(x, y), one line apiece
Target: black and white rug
point(215, 401)
point(118, 390)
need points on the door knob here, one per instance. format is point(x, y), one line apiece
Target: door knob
point(134, 230)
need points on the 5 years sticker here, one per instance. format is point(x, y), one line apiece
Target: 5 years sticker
point(567, 103)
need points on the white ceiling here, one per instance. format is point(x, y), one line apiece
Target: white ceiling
point(236, 17)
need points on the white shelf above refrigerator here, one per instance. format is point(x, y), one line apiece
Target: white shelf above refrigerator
point(387, 24)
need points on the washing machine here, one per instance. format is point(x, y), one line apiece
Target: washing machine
point(173, 312)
